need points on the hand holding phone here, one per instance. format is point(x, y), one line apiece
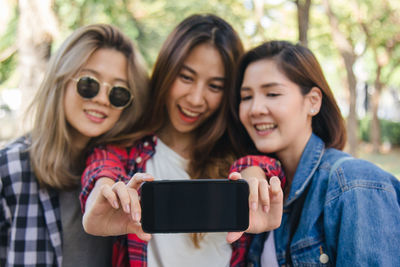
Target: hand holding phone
point(265, 201)
point(206, 205)
point(113, 208)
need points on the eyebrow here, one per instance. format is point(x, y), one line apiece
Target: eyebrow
point(263, 86)
point(186, 67)
point(98, 74)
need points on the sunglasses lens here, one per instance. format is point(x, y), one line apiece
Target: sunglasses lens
point(119, 96)
point(88, 87)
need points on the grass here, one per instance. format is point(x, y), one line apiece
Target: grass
point(388, 159)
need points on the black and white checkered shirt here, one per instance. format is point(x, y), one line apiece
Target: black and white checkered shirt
point(30, 223)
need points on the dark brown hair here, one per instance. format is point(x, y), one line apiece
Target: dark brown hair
point(300, 66)
point(212, 154)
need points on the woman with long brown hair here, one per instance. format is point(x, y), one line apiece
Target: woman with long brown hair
point(183, 135)
point(92, 92)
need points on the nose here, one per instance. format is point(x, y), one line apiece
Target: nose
point(102, 97)
point(258, 107)
point(196, 94)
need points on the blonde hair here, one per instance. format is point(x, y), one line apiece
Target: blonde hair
point(55, 160)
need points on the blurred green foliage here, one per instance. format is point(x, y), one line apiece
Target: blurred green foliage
point(390, 131)
point(7, 44)
point(147, 22)
point(7, 68)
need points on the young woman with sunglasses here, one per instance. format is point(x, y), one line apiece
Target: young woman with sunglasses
point(190, 85)
point(92, 92)
point(338, 210)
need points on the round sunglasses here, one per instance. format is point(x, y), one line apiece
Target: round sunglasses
point(88, 87)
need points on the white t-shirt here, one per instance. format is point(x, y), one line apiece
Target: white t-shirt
point(268, 255)
point(175, 250)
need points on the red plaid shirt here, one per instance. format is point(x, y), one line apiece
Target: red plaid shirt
point(270, 166)
point(121, 164)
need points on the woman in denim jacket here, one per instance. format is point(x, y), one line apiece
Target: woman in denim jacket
point(338, 210)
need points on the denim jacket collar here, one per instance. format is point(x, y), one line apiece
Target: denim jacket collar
point(309, 161)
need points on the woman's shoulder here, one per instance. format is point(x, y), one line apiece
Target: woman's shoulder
point(15, 149)
point(15, 161)
point(345, 172)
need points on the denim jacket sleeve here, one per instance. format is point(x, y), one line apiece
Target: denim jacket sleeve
point(362, 216)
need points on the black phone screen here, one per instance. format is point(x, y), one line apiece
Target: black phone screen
point(210, 205)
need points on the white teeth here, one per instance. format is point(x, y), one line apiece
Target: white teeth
point(264, 127)
point(189, 113)
point(95, 114)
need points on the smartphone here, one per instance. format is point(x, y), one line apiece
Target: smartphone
point(187, 206)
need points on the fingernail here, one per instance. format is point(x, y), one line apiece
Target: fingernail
point(266, 209)
point(127, 208)
point(137, 216)
point(275, 180)
point(115, 204)
point(254, 206)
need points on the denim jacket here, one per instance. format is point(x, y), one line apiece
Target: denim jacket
point(350, 217)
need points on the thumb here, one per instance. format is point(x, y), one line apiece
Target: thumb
point(235, 176)
point(138, 179)
point(233, 236)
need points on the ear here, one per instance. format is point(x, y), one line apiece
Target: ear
point(314, 98)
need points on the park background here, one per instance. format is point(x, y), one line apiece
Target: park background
point(356, 41)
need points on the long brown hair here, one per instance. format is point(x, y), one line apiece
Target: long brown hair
point(54, 158)
point(300, 66)
point(211, 154)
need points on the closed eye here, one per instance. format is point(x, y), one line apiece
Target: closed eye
point(246, 97)
point(273, 94)
point(216, 87)
point(185, 78)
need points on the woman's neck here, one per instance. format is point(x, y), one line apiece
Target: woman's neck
point(77, 149)
point(290, 159)
point(79, 142)
point(181, 143)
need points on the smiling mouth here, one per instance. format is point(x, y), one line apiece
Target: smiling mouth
point(189, 113)
point(265, 126)
point(96, 114)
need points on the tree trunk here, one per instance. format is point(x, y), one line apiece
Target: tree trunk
point(349, 57)
point(375, 126)
point(36, 29)
point(352, 124)
point(5, 15)
point(303, 19)
point(259, 13)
